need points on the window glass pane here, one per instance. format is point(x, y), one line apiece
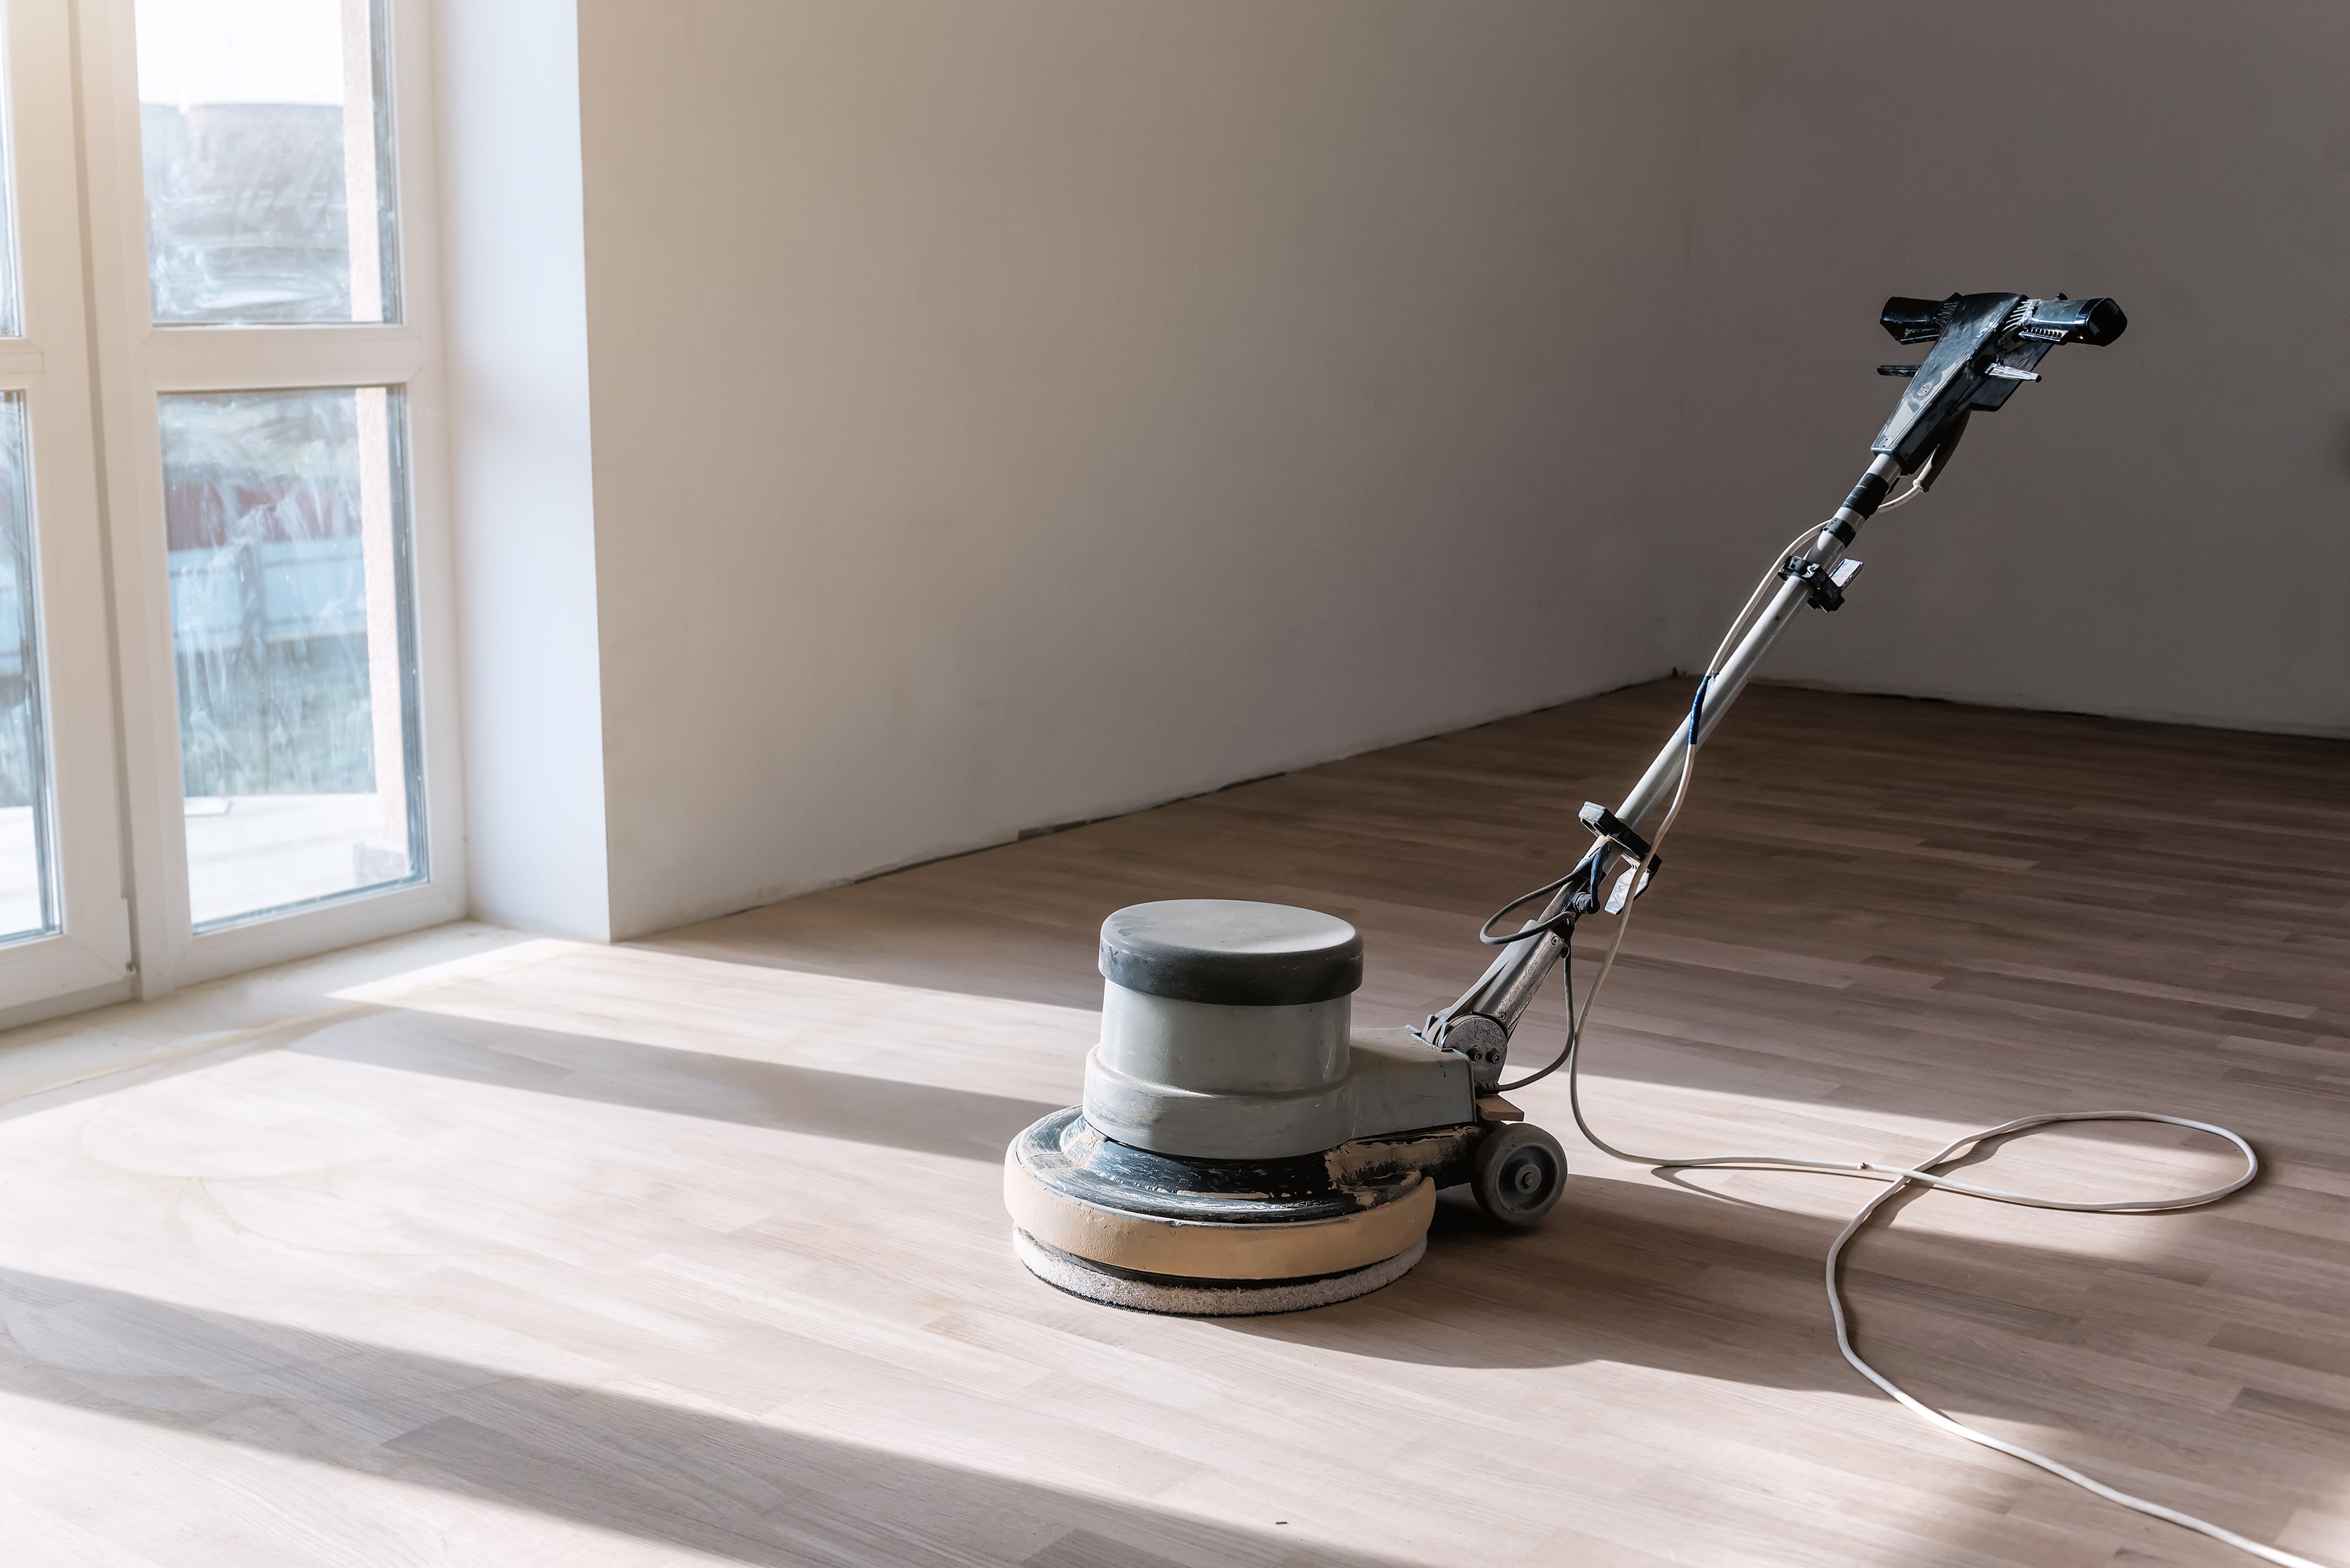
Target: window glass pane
point(27, 907)
point(266, 130)
point(287, 524)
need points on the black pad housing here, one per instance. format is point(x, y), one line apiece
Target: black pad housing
point(1232, 952)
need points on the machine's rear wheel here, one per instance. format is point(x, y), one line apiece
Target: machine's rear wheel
point(1521, 1170)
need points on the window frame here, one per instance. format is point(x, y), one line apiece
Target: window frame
point(141, 361)
point(89, 957)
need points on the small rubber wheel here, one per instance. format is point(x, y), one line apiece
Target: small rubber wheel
point(1521, 1170)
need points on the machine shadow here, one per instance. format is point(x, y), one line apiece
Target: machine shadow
point(1672, 1278)
point(705, 1483)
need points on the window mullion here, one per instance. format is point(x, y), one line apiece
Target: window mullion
point(230, 360)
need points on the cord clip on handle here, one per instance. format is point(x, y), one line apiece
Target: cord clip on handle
point(1645, 862)
point(1825, 584)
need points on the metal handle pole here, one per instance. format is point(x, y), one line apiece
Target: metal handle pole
point(1656, 786)
point(1507, 988)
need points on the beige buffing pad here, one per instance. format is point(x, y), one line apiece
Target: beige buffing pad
point(1188, 1257)
point(1207, 1298)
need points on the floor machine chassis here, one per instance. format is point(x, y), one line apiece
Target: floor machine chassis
point(1242, 1147)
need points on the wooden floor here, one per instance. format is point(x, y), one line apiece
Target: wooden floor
point(691, 1251)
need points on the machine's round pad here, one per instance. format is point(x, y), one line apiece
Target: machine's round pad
point(1140, 1291)
point(1206, 1223)
point(1232, 952)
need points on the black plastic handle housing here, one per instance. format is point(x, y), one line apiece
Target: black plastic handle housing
point(2095, 322)
point(1985, 346)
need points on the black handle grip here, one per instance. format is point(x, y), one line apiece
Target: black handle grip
point(2095, 322)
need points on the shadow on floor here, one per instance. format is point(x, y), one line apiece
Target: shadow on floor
point(1669, 1276)
point(863, 1108)
point(1626, 1272)
point(731, 1488)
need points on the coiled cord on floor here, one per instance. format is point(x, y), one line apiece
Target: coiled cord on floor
point(1900, 1179)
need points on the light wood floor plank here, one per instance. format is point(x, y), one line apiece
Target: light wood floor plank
point(693, 1250)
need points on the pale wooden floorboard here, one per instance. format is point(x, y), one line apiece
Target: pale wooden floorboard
point(692, 1249)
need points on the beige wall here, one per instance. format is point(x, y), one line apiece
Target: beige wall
point(2158, 529)
point(1018, 412)
point(1012, 411)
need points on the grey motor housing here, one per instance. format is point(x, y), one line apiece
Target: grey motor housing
point(1227, 1033)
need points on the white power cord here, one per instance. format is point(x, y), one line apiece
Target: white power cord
point(1900, 1179)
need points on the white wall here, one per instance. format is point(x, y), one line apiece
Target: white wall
point(2158, 529)
point(1014, 413)
point(507, 80)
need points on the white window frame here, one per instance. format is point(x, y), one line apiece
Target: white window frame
point(138, 362)
point(89, 958)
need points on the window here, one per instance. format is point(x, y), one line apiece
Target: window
point(265, 129)
point(287, 552)
point(64, 926)
point(271, 199)
point(26, 906)
point(272, 708)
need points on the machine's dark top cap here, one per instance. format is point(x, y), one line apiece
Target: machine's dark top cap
point(1230, 951)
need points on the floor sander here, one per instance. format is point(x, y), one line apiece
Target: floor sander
point(1244, 1149)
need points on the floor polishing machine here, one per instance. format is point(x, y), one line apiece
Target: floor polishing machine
point(1243, 1146)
